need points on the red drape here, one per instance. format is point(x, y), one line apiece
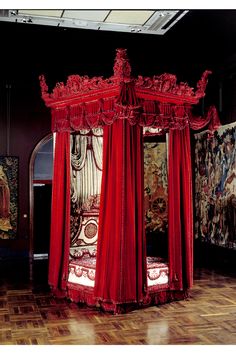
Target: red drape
point(60, 215)
point(180, 224)
point(210, 118)
point(121, 248)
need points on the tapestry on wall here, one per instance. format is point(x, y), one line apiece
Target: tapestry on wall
point(155, 187)
point(8, 197)
point(215, 186)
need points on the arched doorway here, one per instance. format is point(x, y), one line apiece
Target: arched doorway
point(40, 187)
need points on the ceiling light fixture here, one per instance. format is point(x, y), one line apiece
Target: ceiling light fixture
point(27, 20)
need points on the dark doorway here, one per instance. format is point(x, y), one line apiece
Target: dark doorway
point(40, 206)
point(42, 211)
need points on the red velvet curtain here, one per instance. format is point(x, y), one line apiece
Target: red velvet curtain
point(180, 224)
point(210, 118)
point(60, 214)
point(121, 248)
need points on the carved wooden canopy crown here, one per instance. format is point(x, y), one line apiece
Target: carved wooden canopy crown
point(159, 101)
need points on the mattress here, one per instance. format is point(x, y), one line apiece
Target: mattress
point(82, 271)
point(157, 273)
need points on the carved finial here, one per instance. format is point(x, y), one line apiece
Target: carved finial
point(201, 85)
point(122, 68)
point(44, 86)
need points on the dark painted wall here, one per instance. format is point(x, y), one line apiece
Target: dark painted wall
point(201, 40)
point(27, 121)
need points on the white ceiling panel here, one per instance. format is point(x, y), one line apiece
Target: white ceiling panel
point(129, 17)
point(135, 21)
point(90, 15)
point(46, 13)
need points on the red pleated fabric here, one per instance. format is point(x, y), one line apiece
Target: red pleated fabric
point(127, 96)
point(60, 214)
point(211, 119)
point(121, 248)
point(180, 226)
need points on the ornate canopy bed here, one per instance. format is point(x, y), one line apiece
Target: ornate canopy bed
point(98, 244)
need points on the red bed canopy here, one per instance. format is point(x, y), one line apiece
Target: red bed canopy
point(122, 106)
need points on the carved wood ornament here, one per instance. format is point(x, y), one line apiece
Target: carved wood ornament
point(157, 102)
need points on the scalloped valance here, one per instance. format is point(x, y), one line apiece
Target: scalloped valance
point(158, 101)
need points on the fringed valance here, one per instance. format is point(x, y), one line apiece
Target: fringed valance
point(158, 101)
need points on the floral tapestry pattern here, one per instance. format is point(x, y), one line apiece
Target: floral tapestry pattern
point(155, 187)
point(215, 186)
point(8, 197)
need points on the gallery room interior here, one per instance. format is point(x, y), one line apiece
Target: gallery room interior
point(117, 177)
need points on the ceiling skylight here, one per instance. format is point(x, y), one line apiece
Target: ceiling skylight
point(129, 17)
point(136, 21)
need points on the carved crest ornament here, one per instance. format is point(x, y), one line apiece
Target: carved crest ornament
point(158, 102)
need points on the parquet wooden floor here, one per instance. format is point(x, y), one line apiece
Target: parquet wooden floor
point(30, 315)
